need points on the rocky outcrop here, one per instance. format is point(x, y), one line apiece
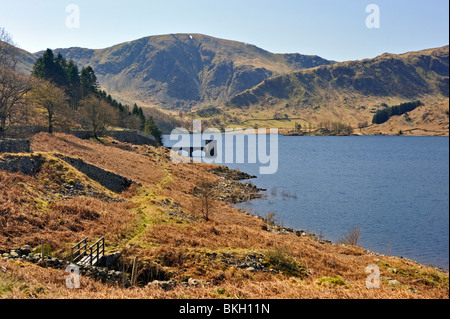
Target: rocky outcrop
point(230, 191)
point(233, 174)
point(171, 284)
point(229, 188)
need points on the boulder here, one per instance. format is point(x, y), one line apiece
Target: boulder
point(14, 254)
point(26, 250)
point(393, 282)
point(195, 282)
point(109, 260)
point(166, 285)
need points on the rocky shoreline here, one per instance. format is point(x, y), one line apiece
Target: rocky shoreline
point(232, 174)
point(229, 188)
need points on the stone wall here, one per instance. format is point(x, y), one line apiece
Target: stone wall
point(28, 165)
point(127, 136)
point(104, 274)
point(15, 146)
point(133, 137)
point(109, 180)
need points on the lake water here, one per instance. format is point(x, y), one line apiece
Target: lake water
point(396, 189)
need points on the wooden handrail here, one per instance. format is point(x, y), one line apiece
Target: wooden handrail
point(80, 253)
point(97, 252)
point(82, 245)
point(81, 249)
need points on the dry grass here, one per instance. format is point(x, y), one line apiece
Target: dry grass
point(174, 245)
point(29, 281)
point(430, 119)
point(125, 163)
point(29, 215)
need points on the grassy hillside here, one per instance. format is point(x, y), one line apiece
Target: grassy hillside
point(181, 71)
point(159, 219)
point(429, 119)
point(350, 92)
point(198, 73)
point(25, 61)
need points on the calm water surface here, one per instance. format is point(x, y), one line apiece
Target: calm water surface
point(396, 189)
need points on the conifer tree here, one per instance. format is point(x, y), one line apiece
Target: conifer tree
point(74, 84)
point(152, 129)
point(88, 81)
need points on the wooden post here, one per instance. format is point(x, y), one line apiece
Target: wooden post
point(42, 253)
point(134, 271)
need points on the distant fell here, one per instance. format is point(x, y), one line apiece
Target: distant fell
point(351, 92)
point(406, 76)
point(184, 71)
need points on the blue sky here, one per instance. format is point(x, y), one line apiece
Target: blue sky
point(333, 29)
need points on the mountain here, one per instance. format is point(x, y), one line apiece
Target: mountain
point(248, 86)
point(25, 60)
point(351, 91)
point(181, 71)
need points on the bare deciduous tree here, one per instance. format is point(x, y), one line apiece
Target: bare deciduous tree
point(363, 125)
point(97, 115)
point(13, 85)
point(352, 237)
point(53, 99)
point(8, 50)
point(204, 204)
point(13, 88)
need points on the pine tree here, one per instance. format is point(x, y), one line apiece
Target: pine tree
point(88, 81)
point(74, 84)
point(43, 66)
point(51, 68)
point(139, 114)
point(152, 129)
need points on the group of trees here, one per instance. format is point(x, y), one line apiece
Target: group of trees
point(335, 128)
point(60, 94)
point(92, 108)
point(383, 116)
point(280, 116)
point(297, 127)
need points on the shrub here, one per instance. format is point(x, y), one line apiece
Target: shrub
point(352, 237)
point(337, 281)
point(280, 260)
point(170, 257)
point(270, 218)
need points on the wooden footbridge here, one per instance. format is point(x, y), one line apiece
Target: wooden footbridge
point(83, 255)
